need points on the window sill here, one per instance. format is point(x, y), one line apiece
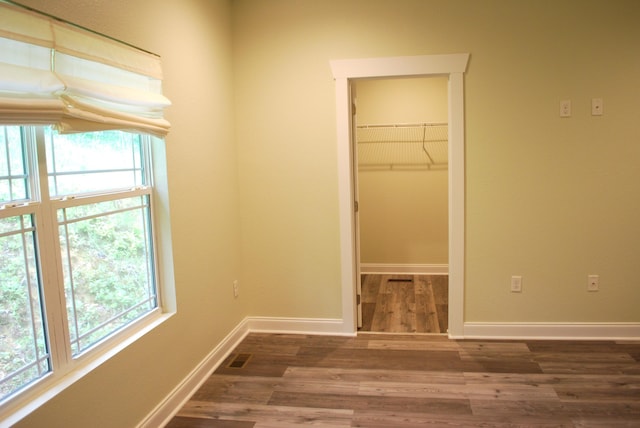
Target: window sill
point(24, 403)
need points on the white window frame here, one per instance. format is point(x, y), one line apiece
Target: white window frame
point(65, 368)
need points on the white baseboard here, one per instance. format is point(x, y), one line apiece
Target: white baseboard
point(415, 269)
point(329, 326)
point(552, 331)
point(173, 402)
point(162, 414)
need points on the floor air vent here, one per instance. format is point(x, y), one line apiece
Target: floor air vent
point(239, 361)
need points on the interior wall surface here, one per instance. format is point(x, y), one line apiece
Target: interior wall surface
point(193, 37)
point(403, 211)
point(551, 199)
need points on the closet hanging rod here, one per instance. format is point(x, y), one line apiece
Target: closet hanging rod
point(403, 142)
point(403, 125)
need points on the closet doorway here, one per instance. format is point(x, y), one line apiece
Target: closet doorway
point(400, 131)
point(345, 71)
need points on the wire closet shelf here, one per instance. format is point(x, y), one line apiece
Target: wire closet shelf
point(404, 146)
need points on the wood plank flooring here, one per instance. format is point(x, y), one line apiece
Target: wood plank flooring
point(382, 380)
point(405, 303)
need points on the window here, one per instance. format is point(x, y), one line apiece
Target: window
point(105, 237)
point(97, 215)
point(24, 352)
point(81, 116)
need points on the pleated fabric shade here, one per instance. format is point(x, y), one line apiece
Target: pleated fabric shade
point(52, 72)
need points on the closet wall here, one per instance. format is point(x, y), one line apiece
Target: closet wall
point(403, 194)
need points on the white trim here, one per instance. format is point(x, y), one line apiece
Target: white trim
point(175, 400)
point(456, 203)
point(322, 326)
point(553, 331)
point(172, 403)
point(23, 404)
point(415, 269)
point(452, 66)
point(399, 66)
point(346, 206)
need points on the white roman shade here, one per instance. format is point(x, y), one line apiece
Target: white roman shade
point(79, 81)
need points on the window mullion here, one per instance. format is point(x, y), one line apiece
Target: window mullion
point(72, 292)
point(32, 299)
point(8, 162)
point(51, 267)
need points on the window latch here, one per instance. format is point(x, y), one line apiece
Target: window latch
point(13, 205)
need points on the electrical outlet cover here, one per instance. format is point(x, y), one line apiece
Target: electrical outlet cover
point(516, 284)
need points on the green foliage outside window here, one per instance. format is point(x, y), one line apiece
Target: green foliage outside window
point(105, 247)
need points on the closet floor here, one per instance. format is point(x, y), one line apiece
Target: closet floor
point(405, 303)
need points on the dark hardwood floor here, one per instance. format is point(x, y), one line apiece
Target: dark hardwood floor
point(405, 303)
point(382, 380)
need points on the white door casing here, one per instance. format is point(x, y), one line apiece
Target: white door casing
point(356, 198)
point(453, 66)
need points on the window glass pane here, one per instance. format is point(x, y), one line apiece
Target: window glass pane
point(13, 167)
point(107, 266)
point(93, 162)
point(24, 354)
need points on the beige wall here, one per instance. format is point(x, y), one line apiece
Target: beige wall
point(403, 213)
point(547, 198)
point(403, 217)
point(194, 39)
